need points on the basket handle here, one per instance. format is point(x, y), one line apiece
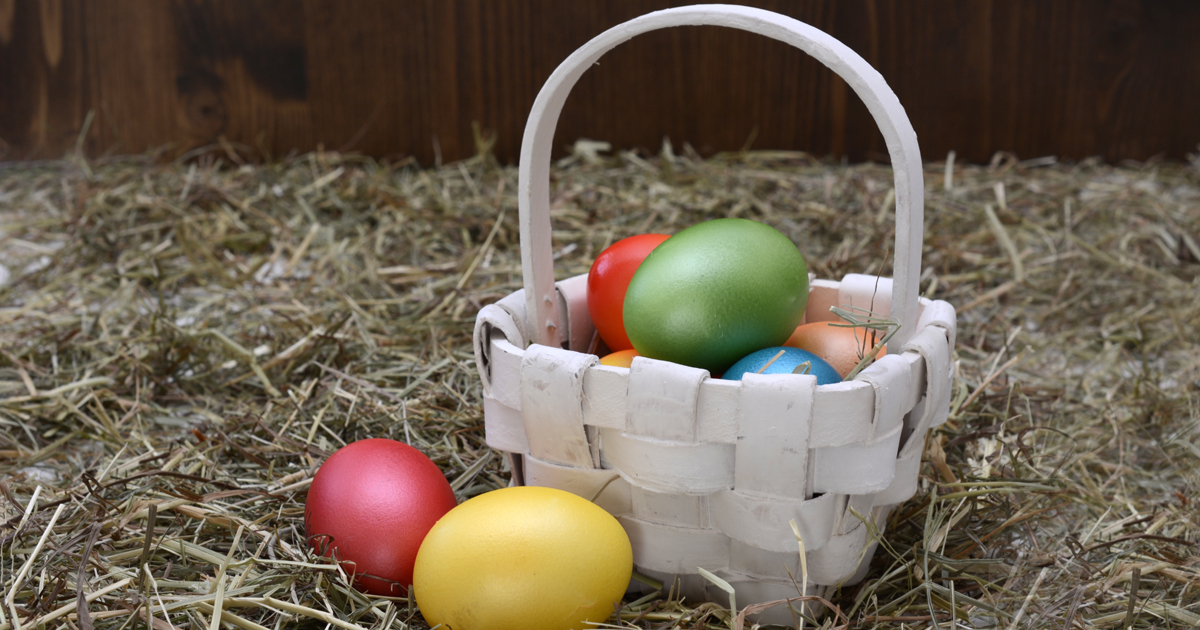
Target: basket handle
point(533, 192)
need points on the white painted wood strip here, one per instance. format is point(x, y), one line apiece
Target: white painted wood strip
point(604, 396)
point(504, 426)
point(839, 558)
point(891, 377)
point(863, 504)
point(717, 411)
point(842, 413)
point(670, 508)
point(686, 586)
point(493, 322)
point(932, 344)
point(757, 563)
point(916, 372)
point(674, 549)
point(754, 589)
point(871, 293)
point(941, 414)
point(856, 469)
point(506, 373)
point(911, 423)
point(502, 320)
point(904, 484)
point(771, 456)
point(822, 294)
point(605, 487)
point(552, 404)
point(515, 303)
point(573, 292)
point(762, 520)
point(942, 315)
point(662, 399)
point(668, 466)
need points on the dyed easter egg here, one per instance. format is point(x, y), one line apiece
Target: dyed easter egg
point(607, 281)
point(715, 292)
point(841, 346)
point(782, 360)
point(523, 558)
point(623, 358)
point(370, 505)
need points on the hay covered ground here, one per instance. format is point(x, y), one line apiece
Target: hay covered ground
point(182, 345)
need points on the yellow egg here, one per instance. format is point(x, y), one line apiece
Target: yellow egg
point(620, 358)
point(841, 346)
point(523, 558)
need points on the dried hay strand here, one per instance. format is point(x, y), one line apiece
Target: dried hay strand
point(182, 345)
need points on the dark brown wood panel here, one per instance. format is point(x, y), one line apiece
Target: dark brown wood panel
point(1073, 78)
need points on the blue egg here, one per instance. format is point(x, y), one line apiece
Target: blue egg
point(785, 364)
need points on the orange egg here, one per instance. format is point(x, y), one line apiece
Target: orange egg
point(621, 358)
point(842, 347)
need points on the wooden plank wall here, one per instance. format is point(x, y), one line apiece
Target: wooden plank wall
point(1073, 78)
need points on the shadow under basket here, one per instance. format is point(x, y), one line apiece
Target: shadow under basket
point(706, 473)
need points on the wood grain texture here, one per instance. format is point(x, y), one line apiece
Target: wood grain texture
point(1072, 78)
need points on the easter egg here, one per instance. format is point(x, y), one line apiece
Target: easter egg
point(607, 282)
point(786, 362)
point(623, 358)
point(523, 558)
point(715, 292)
point(841, 346)
point(370, 505)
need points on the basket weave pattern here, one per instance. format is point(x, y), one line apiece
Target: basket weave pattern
point(705, 472)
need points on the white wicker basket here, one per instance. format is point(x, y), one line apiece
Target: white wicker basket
point(704, 472)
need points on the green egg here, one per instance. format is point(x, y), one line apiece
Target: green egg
point(715, 292)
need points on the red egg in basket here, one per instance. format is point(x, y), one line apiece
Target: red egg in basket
point(607, 281)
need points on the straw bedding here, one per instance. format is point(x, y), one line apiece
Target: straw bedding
point(182, 345)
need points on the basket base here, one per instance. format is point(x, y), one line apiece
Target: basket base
point(751, 590)
point(693, 589)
